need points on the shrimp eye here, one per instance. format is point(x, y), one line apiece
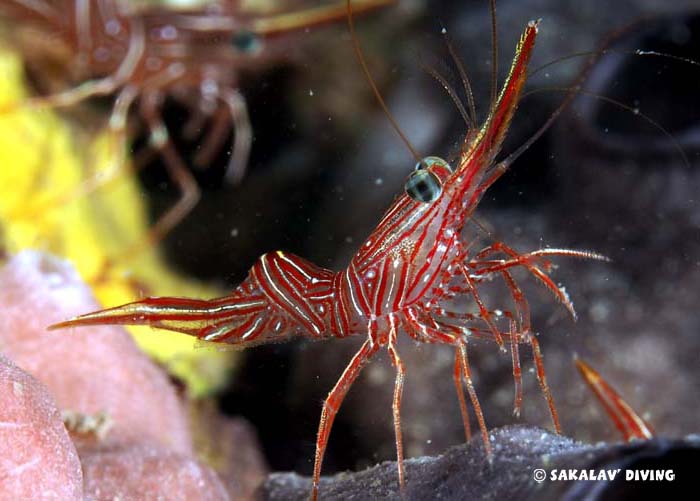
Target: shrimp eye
point(423, 186)
point(430, 161)
point(246, 41)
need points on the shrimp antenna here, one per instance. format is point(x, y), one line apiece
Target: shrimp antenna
point(572, 92)
point(618, 104)
point(377, 94)
point(494, 54)
point(303, 19)
point(469, 121)
point(604, 52)
point(577, 88)
point(463, 75)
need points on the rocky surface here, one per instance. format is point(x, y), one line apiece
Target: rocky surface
point(463, 472)
point(147, 473)
point(89, 371)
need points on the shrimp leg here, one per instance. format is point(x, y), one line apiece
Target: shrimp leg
point(539, 365)
point(396, 403)
point(335, 399)
point(243, 135)
point(93, 88)
point(117, 130)
point(522, 309)
point(463, 362)
point(189, 190)
point(118, 137)
point(483, 310)
point(457, 375)
point(525, 260)
point(70, 97)
point(217, 134)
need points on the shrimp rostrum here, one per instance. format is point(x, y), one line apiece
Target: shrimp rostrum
point(402, 280)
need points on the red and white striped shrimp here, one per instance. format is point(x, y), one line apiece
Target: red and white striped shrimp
point(403, 279)
point(141, 56)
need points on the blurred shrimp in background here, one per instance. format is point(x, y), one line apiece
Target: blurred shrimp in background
point(73, 189)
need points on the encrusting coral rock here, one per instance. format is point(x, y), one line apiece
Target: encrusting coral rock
point(38, 458)
point(91, 371)
point(145, 473)
point(128, 425)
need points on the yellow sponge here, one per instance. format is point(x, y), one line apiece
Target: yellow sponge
point(41, 207)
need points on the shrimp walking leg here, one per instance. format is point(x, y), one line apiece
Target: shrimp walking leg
point(457, 376)
point(216, 135)
point(481, 267)
point(117, 136)
point(542, 378)
point(482, 309)
point(517, 371)
point(518, 327)
point(177, 170)
point(396, 403)
point(243, 135)
point(70, 97)
point(466, 374)
point(333, 402)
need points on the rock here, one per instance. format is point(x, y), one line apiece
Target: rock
point(463, 472)
point(148, 473)
point(38, 457)
point(231, 447)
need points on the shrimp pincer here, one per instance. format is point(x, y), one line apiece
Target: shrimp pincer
point(403, 279)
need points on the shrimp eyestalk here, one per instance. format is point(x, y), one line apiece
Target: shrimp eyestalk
point(402, 280)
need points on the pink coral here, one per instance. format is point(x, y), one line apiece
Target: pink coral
point(87, 371)
point(38, 458)
point(99, 376)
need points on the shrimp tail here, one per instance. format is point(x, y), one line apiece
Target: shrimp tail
point(232, 319)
